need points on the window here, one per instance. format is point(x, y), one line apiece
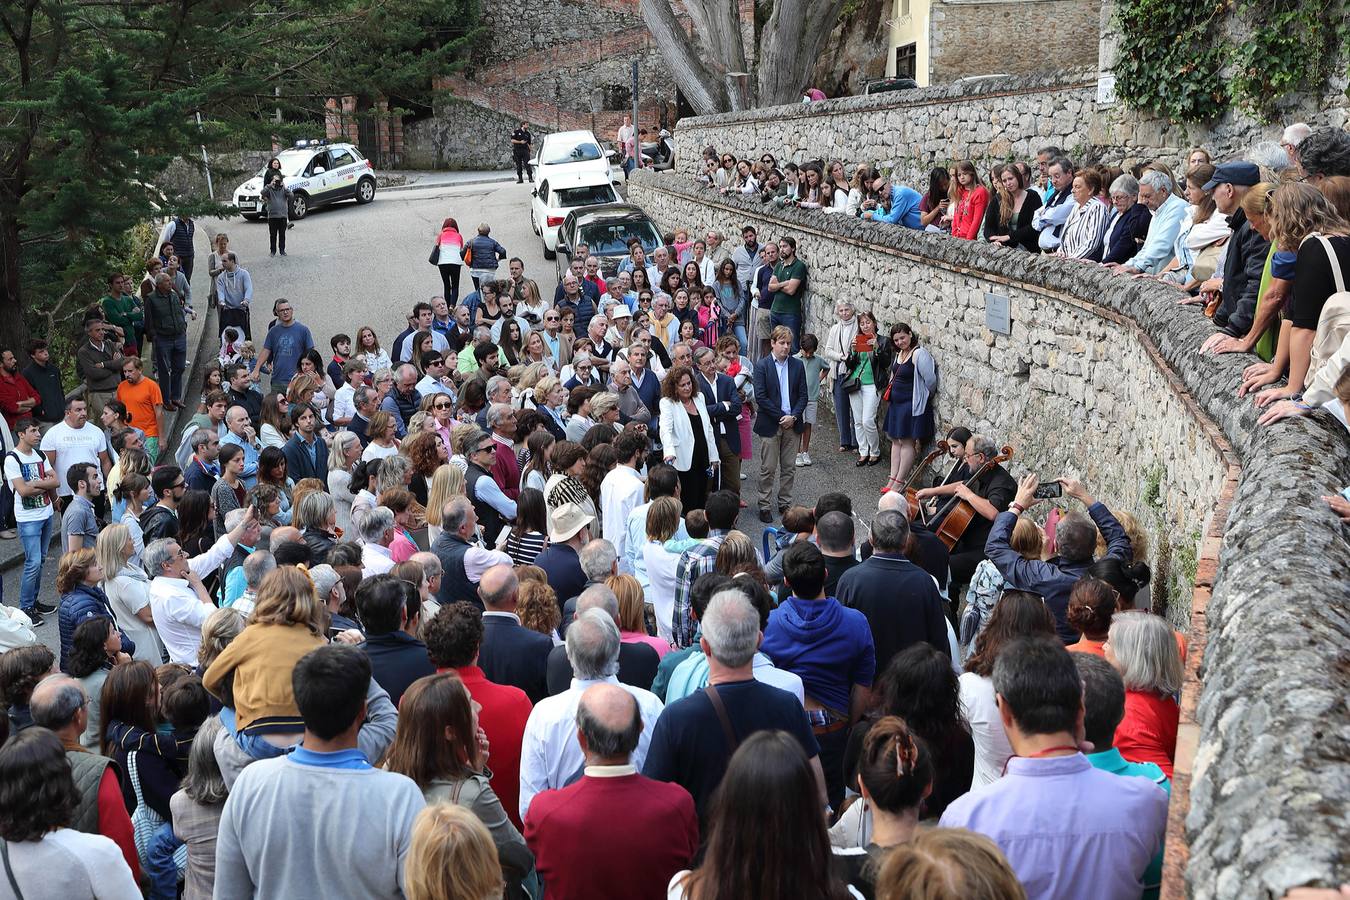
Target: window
point(589, 195)
point(561, 154)
point(611, 238)
point(543, 192)
point(320, 161)
point(617, 97)
point(906, 61)
point(341, 157)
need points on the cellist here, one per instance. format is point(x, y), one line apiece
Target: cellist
point(988, 495)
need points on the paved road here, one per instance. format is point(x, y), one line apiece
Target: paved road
point(352, 265)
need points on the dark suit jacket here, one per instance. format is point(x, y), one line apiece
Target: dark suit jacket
point(198, 479)
point(249, 400)
point(926, 551)
point(298, 464)
point(724, 408)
point(770, 404)
point(637, 667)
point(1129, 235)
point(901, 604)
point(513, 654)
point(650, 392)
point(397, 659)
point(358, 426)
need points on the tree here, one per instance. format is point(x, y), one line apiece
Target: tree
point(788, 44)
point(98, 98)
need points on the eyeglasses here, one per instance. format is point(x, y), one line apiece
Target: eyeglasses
point(440, 406)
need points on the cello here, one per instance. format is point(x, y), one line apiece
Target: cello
point(909, 490)
point(957, 515)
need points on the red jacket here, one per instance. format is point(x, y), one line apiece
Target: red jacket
point(504, 712)
point(13, 390)
point(611, 838)
point(969, 213)
point(1148, 733)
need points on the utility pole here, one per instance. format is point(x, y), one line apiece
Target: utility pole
point(637, 138)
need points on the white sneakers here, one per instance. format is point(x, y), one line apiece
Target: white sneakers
point(803, 459)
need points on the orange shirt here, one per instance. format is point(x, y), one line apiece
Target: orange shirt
point(1086, 646)
point(141, 400)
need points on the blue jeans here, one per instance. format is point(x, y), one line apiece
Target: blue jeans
point(36, 538)
point(170, 362)
point(160, 869)
point(843, 415)
point(739, 330)
point(792, 321)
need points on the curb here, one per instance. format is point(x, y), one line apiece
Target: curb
point(446, 184)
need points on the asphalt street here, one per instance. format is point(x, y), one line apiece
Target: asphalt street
point(348, 266)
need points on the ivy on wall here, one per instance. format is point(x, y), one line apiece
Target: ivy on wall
point(1191, 61)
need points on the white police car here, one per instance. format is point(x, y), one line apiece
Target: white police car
point(317, 173)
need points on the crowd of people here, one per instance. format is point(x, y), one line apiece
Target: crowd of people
point(468, 615)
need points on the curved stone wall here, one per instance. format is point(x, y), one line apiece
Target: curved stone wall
point(1100, 378)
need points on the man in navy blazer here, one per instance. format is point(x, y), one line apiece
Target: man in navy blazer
point(778, 420)
point(510, 653)
point(645, 382)
point(306, 453)
point(899, 599)
point(724, 408)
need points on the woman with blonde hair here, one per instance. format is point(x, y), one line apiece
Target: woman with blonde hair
point(948, 864)
point(128, 590)
point(451, 857)
point(446, 482)
point(441, 746)
point(663, 520)
point(220, 628)
point(736, 552)
point(632, 613)
point(1144, 651)
point(254, 670)
point(345, 453)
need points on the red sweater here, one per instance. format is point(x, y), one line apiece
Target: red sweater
point(13, 390)
point(1148, 733)
point(611, 838)
point(504, 712)
point(969, 212)
point(505, 471)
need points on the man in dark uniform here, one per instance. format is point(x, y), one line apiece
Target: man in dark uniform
point(520, 152)
point(988, 495)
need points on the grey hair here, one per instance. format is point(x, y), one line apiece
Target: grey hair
point(731, 625)
point(232, 519)
point(984, 444)
point(337, 454)
point(619, 365)
point(846, 304)
point(597, 559)
point(599, 597)
point(1050, 150)
point(496, 413)
point(156, 554)
point(372, 526)
point(58, 710)
point(703, 353)
point(583, 357)
point(593, 644)
point(890, 532)
point(509, 587)
point(408, 369)
point(482, 333)
point(430, 563)
point(1268, 155)
point(393, 471)
point(314, 509)
point(1159, 181)
point(603, 402)
point(1146, 652)
point(1125, 184)
point(603, 742)
point(382, 375)
point(1295, 133)
point(454, 513)
point(496, 382)
point(324, 577)
point(361, 396)
point(257, 566)
point(1075, 537)
point(200, 437)
point(204, 783)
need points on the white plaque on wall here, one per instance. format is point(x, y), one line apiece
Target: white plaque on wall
point(998, 313)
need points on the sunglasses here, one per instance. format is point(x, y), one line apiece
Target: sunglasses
point(440, 406)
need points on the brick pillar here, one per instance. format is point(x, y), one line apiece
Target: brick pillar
point(350, 130)
point(332, 119)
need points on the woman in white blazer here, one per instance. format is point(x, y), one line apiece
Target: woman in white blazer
point(687, 436)
point(838, 345)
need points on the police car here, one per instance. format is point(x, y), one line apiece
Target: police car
point(317, 173)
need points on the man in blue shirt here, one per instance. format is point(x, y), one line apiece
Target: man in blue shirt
point(1155, 192)
point(903, 205)
point(285, 343)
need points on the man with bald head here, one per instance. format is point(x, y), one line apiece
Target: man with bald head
point(60, 704)
point(511, 653)
point(612, 832)
point(240, 431)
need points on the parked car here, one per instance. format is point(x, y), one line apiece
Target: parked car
point(605, 230)
point(575, 153)
point(318, 173)
point(561, 192)
point(886, 85)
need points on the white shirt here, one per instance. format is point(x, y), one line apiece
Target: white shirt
point(550, 756)
point(766, 672)
point(176, 609)
point(343, 408)
point(375, 560)
point(620, 491)
point(73, 445)
point(661, 565)
point(429, 385)
point(782, 368)
point(992, 749)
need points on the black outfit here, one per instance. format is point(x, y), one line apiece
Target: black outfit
point(46, 380)
point(694, 482)
point(491, 521)
point(183, 231)
point(1242, 268)
point(251, 401)
point(521, 154)
point(1314, 281)
point(901, 604)
point(999, 488)
point(953, 756)
point(1128, 235)
point(397, 659)
point(158, 522)
point(925, 550)
point(455, 584)
point(637, 667)
point(1018, 226)
point(858, 867)
point(835, 567)
point(319, 542)
point(513, 654)
point(691, 748)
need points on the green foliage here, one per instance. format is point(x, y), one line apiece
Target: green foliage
point(1190, 62)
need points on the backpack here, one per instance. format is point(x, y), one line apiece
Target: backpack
point(1332, 325)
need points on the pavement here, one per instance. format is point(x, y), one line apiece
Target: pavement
point(419, 180)
point(350, 265)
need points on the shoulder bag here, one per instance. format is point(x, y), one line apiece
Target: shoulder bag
point(1334, 321)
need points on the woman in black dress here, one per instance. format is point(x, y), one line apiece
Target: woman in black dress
point(909, 417)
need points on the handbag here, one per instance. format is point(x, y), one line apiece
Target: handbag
point(851, 383)
point(145, 822)
point(435, 257)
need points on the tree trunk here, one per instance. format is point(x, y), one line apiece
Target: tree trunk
point(13, 329)
point(701, 82)
point(790, 45)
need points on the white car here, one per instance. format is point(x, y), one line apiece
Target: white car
point(318, 173)
point(562, 192)
point(575, 153)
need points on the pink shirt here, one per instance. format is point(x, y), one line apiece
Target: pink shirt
point(637, 637)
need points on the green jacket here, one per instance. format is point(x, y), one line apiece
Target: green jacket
point(165, 315)
point(125, 312)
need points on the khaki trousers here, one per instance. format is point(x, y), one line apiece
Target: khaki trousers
point(731, 468)
point(778, 455)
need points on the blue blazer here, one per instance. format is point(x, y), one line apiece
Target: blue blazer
point(650, 392)
point(724, 406)
point(769, 402)
point(1128, 235)
point(297, 459)
point(515, 655)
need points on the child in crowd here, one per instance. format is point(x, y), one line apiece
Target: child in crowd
point(799, 522)
point(695, 525)
point(231, 338)
point(815, 373)
point(684, 248)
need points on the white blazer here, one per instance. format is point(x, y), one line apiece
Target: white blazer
point(677, 438)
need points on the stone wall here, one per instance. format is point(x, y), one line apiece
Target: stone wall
point(462, 135)
point(1100, 378)
point(971, 38)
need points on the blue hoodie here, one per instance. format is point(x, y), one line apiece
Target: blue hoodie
point(826, 644)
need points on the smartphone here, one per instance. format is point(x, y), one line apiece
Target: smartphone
point(1049, 491)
